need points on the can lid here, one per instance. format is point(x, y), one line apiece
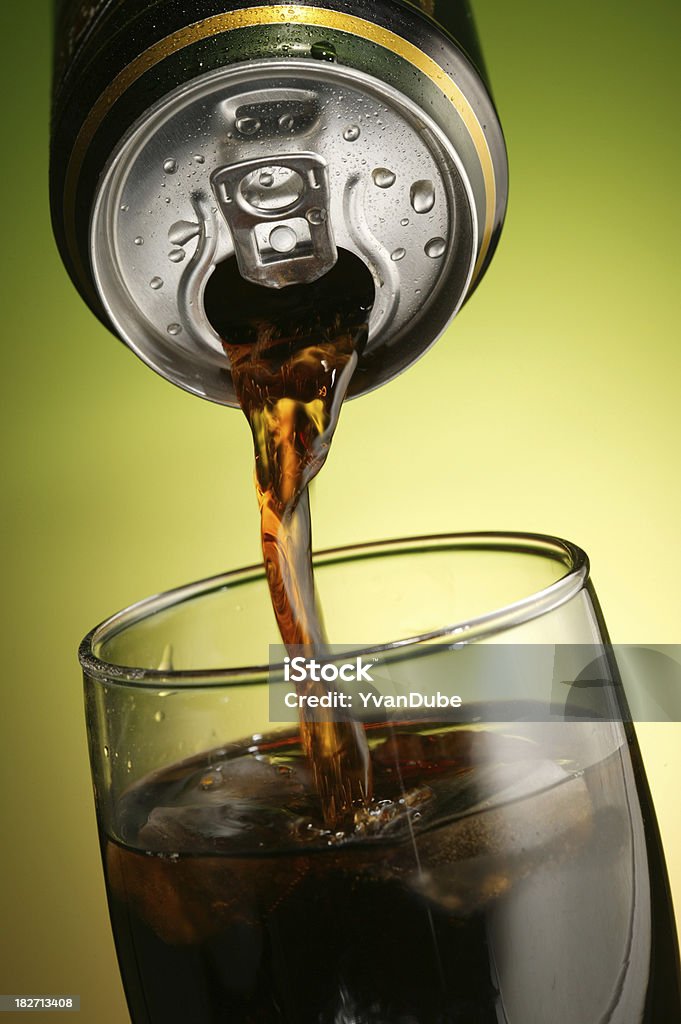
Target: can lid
point(278, 164)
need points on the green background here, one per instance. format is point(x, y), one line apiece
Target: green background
point(552, 404)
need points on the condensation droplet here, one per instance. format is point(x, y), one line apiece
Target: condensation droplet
point(106, 751)
point(316, 216)
point(139, 240)
point(182, 232)
point(174, 329)
point(435, 248)
point(159, 716)
point(383, 177)
point(287, 122)
point(266, 179)
point(156, 283)
point(422, 196)
point(176, 255)
point(352, 133)
point(128, 765)
point(398, 255)
point(248, 125)
point(170, 166)
point(199, 159)
point(323, 51)
point(124, 208)
point(404, 222)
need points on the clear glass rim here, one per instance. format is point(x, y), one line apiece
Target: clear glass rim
point(506, 617)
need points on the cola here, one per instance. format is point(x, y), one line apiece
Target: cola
point(293, 353)
point(494, 879)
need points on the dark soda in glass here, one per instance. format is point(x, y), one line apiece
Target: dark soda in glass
point(495, 878)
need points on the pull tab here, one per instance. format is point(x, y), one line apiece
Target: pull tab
point(277, 209)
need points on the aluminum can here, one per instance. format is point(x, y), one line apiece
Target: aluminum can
point(190, 132)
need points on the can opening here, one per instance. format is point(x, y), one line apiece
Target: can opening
point(237, 309)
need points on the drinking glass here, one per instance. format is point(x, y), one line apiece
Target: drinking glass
point(509, 869)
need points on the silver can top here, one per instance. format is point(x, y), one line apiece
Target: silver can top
point(278, 164)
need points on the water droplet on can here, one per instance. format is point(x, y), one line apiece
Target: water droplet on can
point(398, 255)
point(159, 716)
point(266, 179)
point(199, 159)
point(383, 177)
point(323, 51)
point(316, 216)
point(435, 248)
point(287, 122)
point(170, 166)
point(176, 255)
point(422, 196)
point(182, 231)
point(404, 222)
point(106, 751)
point(352, 133)
point(139, 240)
point(156, 283)
point(248, 125)
point(124, 208)
point(174, 329)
